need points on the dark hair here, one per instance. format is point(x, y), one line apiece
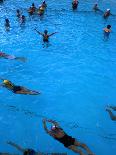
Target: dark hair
point(18, 10)
point(45, 31)
point(7, 20)
point(26, 152)
point(33, 4)
point(108, 26)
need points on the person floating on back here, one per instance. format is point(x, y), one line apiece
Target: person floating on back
point(109, 110)
point(107, 14)
point(11, 57)
point(17, 89)
point(75, 4)
point(45, 35)
point(107, 31)
point(71, 143)
point(7, 24)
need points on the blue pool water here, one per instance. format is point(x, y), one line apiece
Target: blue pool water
point(76, 75)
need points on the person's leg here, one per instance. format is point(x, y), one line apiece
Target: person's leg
point(111, 115)
point(84, 146)
point(75, 149)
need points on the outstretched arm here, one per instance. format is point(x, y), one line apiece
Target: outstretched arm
point(52, 34)
point(45, 126)
point(38, 32)
point(16, 146)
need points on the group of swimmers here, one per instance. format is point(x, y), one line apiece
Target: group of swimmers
point(55, 131)
point(58, 134)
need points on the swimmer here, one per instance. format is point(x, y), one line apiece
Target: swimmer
point(24, 151)
point(107, 14)
point(75, 4)
point(22, 19)
point(7, 24)
point(18, 14)
point(95, 8)
point(41, 10)
point(45, 35)
point(32, 9)
point(109, 110)
point(11, 57)
point(71, 143)
point(107, 31)
point(17, 89)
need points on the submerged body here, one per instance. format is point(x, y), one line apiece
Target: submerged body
point(18, 89)
point(71, 143)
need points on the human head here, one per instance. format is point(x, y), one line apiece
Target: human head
point(108, 26)
point(6, 82)
point(33, 4)
point(54, 128)
point(44, 2)
point(108, 10)
point(45, 31)
point(96, 4)
point(7, 20)
point(18, 11)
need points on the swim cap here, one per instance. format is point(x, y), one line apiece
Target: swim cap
point(108, 9)
point(6, 82)
point(53, 127)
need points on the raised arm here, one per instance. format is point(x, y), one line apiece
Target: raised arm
point(45, 126)
point(52, 34)
point(16, 146)
point(38, 32)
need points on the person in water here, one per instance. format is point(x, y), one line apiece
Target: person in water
point(107, 14)
point(71, 143)
point(32, 9)
point(107, 31)
point(17, 89)
point(18, 14)
point(75, 4)
point(22, 19)
point(11, 57)
point(24, 151)
point(41, 10)
point(109, 110)
point(45, 35)
point(95, 7)
point(7, 24)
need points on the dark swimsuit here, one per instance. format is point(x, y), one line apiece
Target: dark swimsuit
point(45, 38)
point(66, 140)
point(16, 88)
point(74, 5)
point(31, 152)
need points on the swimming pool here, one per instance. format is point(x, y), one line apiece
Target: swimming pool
point(75, 74)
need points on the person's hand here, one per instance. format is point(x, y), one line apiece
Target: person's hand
point(9, 142)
